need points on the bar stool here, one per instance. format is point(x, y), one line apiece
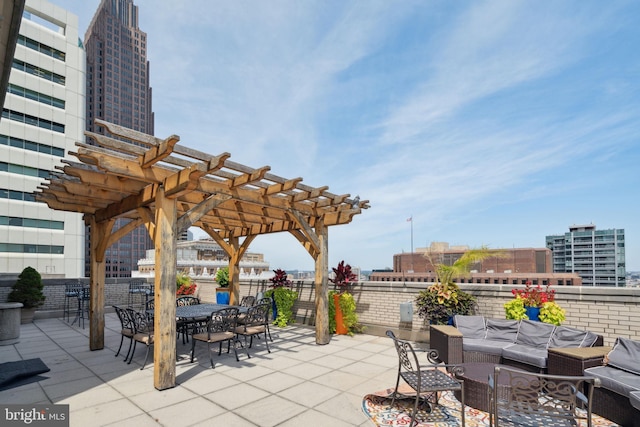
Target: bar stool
point(71, 291)
point(83, 298)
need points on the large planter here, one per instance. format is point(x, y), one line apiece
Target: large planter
point(222, 296)
point(533, 313)
point(10, 322)
point(341, 329)
point(26, 315)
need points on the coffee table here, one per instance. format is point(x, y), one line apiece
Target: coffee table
point(476, 384)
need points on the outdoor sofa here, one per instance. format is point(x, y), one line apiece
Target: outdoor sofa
point(522, 344)
point(618, 397)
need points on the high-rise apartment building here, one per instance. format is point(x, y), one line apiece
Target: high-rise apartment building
point(596, 255)
point(42, 118)
point(118, 91)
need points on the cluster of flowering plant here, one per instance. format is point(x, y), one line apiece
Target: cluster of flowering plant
point(279, 279)
point(343, 276)
point(184, 285)
point(534, 296)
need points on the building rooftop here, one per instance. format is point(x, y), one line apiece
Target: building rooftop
point(298, 383)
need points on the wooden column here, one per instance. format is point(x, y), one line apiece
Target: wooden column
point(164, 349)
point(234, 270)
point(99, 233)
point(321, 284)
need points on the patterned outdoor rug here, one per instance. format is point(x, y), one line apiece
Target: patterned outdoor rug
point(377, 407)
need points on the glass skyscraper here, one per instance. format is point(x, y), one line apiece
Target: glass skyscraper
point(118, 91)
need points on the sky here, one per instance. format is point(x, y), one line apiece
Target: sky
point(490, 123)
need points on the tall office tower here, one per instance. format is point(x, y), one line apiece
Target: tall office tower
point(42, 118)
point(596, 255)
point(118, 91)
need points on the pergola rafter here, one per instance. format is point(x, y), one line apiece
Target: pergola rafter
point(168, 188)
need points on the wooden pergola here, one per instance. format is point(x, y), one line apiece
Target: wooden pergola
point(169, 188)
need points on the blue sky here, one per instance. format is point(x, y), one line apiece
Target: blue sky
point(488, 122)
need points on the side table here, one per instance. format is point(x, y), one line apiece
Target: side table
point(574, 360)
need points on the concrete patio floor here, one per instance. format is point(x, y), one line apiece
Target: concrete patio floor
point(298, 384)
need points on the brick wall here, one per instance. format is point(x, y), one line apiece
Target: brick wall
point(611, 312)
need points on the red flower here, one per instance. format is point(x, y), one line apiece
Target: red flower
point(534, 296)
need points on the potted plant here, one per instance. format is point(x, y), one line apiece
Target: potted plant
point(343, 318)
point(444, 299)
point(283, 298)
point(28, 290)
point(222, 291)
point(532, 298)
point(184, 285)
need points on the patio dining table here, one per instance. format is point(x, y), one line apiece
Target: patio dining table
point(200, 311)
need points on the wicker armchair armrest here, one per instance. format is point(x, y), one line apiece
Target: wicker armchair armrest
point(447, 340)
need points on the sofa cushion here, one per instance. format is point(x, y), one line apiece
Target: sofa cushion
point(526, 354)
point(535, 334)
point(502, 330)
point(470, 326)
point(564, 336)
point(484, 346)
point(614, 379)
point(625, 355)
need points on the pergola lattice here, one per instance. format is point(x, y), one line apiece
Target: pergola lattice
point(168, 188)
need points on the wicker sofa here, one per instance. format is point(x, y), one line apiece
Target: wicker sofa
point(523, 344)
point(618, 397)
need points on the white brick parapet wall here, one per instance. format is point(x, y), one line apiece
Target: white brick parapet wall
point(611, 312)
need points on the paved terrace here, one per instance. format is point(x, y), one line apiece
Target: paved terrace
point(298, 384)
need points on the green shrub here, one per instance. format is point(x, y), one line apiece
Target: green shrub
point(28, 289)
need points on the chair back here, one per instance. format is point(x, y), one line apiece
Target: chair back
point(248, 301)
point(407, 358)
point(136, 286)
point(73, 289)
point(265, 300)
point(186, 300)
point(150, 305)
point(141, 322)
point(540, 398)
point(258, 315)
point(125, 319)
point(223, 320)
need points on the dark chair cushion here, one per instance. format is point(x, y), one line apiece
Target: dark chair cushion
point(502, 330)
point(564, 336)
point(614, 379)
point(535, 334)
point(526, 354)
point(625, 355)
point(470, 326)
point(484, 346)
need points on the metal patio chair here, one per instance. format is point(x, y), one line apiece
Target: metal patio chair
point(220, 328)
point(427, 381)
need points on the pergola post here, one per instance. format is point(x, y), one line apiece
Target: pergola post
point(99, 232)
point(164, 348)
point(234, 270)
point(321, 284)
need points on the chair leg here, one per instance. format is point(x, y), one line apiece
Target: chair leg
point(235, 348)
point(146, 356)
point(193, 348)
point(246, 347)
point(121, 341)
point(210, 355)
point(129, 350)
point(132, 352)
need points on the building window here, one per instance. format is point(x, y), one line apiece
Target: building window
point(32, 120)
point(38, 72)
point(35, 96)
point(42, 48)
point(31, 249)
point(16, 195)
point(30, 145)
point(31, 223)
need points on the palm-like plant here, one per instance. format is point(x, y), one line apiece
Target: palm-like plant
point(462, 266)
point(444, 298)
